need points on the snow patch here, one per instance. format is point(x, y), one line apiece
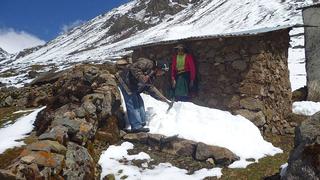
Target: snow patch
point(17, 131)
point(110, 164)
point(307, 108)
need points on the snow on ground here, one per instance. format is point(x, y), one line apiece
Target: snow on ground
point(210, 126)
point(10, 134)
point(109, 161)
point(307, 108)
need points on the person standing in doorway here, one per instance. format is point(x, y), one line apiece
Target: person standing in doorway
point(183, 73)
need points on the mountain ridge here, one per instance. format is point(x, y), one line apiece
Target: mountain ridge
point(106, 36)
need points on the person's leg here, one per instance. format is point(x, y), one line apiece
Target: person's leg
point(182, 87)
point(132, 110)
point(142, 110)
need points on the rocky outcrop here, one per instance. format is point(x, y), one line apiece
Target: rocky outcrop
point(304, 160)
point(25, 96)
point(85, 100)
point(182, 147)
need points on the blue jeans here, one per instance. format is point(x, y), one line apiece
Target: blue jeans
point(135, 109)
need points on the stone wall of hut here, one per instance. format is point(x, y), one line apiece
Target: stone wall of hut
point(246, 75)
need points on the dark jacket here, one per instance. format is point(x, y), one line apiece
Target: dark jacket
point(131, 77)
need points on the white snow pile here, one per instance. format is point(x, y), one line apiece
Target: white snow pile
point(307, 108)
point(109, 161)
point(210, 126)
point(10, 134)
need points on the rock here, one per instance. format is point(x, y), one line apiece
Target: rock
point(29, 172)
point(304, 160)
point(239, 65)
point(257, 118)
point(178, 147)
point(102, 136)
point(89, 107)
point(7, 175)
point(72, 124)
point(48, 146)
point(109, 177)
point(221, 156)
point(154, 140)
point(137, 137)
point(8, 101)
point(80, 112)
point(289, 130)
point(122, 133)
point(32, 74)
point(47, 77)
point(57, 133)
point(86, 132)
point(252, 89)
point(43, 158)
point(79, 163)
point(251, 104)
point(300, 94)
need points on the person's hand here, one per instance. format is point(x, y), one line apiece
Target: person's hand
point(174, 83)
point(191, 84)
point(145, 79)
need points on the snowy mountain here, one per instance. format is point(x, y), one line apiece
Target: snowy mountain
point(144, 21)
point(3, 55)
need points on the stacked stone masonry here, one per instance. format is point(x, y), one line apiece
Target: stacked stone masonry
point(246, 75)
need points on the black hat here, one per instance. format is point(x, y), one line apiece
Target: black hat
point(161, 65)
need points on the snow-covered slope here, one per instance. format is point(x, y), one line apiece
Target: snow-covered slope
point(145, 21)
point(3, 55)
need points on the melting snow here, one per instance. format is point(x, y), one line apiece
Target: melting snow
point(307, 108)
point(109, 161)
point(17, 131)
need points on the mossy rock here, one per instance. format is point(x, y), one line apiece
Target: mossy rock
point(300, 94)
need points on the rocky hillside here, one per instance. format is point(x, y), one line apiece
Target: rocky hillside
point(143, 21)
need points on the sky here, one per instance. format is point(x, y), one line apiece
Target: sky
point(28, 23)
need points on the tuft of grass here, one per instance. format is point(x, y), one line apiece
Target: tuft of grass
point(267, 167)
point(6, 115)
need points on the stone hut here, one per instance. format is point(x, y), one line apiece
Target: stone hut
point(245, 73)
point(311, 19)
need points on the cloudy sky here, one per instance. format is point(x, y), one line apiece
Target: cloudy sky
point(28, 23)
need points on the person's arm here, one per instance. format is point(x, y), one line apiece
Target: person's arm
point(173, 70)
point(137, 70)
point(192, 67)
point(155, 93)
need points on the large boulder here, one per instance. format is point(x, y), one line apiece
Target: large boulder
point(84, 100)
point(181, 147)
point(220, 155)
point(79, 163)
point(304, 160)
